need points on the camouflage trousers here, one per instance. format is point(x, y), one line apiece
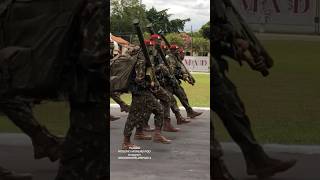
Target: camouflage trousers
point(85, 148)
point(229, 107)
point(219, 171)
point(116, 97)
point(143, 105)
point(182, 96)
point(19, 111)
point(167, 101)
point(173, 103)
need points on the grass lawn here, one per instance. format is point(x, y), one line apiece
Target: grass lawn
point(199, 94)
point(55, 116)
point(284, 107)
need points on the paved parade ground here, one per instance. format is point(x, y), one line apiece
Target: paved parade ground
point(186, 158)
point(307, 167)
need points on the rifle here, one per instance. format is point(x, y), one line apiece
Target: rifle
point(191, 80)
point(151, 71)
point(159, 51)
point(243, 31)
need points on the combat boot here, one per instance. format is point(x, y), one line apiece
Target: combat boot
point(167, 126)
point(158, 138)
point(114, 118)
point(124, 108)
point(270, 168)
point(127, 145)
point(140, 135)
point(220, 171)
point(10, 175)
point(181, 120)
point(147, 128)
point(192, 114)
point(46, 144)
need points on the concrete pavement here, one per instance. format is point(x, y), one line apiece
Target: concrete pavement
point(187, 158)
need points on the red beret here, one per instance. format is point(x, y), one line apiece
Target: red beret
point(155, 36)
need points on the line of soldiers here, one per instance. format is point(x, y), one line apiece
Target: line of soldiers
point(155, 80)
point(232, 38)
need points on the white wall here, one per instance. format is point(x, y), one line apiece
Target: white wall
point(197, 63)
point(287, 16)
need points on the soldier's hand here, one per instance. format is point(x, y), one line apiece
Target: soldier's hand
point(260, 64)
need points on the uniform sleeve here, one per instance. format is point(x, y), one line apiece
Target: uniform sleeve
point(140, 69)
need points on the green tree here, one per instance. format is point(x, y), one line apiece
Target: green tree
point(123, 12)
point(200, 44)
point(205, 30)
point(175, 38)
point(161, 22)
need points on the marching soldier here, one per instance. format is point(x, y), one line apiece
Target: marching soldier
point(181, 74)
point(143, 87)
point(227, 104)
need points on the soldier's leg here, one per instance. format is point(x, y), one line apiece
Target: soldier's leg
point(123, 106)
point(155, 107)
point(182, 96)
point(230, 110)
point(135, 115)
point(146, 126)
point(140, 124)
point(85, 148)
point(175, 109)
point(166, 100)
point(220, 172)
point(19, 111)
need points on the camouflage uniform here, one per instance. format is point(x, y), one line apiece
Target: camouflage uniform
point(19, 111)
point(144, 101)
point(180, 73)
point(116, 97)
point(168, 87)
point(227, 103)
point(144, 87)
point(85, 149)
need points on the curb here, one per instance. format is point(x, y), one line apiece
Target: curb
point(277, 148)
point(180, 107)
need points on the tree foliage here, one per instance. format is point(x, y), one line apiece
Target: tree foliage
point(123, 12)
point(161, 22)
point(205, 30)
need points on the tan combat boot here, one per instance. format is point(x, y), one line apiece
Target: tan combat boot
point(181, 120)
point(192, 114)
point(127, 145)
point(158, 138)
point(140, 135)
point(167, 126)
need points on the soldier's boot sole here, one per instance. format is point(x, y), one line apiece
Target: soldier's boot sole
point(272, 170)
point(162, 140)
point(172, 129)
point(194, 114)
point(185, 121)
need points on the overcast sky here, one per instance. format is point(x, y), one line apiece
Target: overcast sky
point(197, 10)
